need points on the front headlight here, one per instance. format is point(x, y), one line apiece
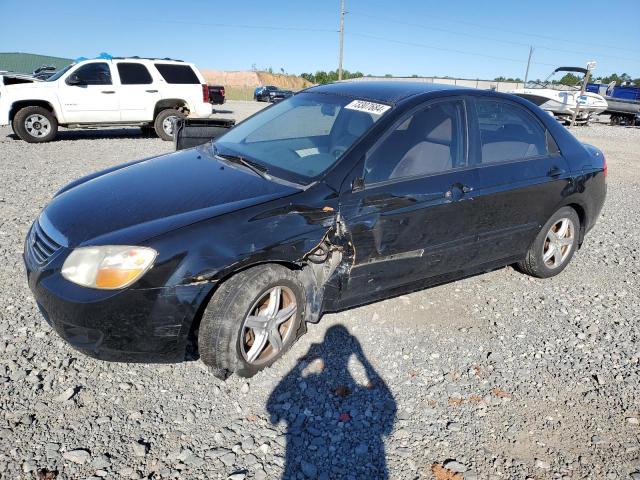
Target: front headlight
point(107, 267)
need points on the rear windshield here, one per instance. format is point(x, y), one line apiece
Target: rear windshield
point(182, 74)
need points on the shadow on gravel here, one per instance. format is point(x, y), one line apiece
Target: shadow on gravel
point(105, 134)
point(335, 424)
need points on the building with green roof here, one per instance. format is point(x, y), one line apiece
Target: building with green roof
point(28, 62)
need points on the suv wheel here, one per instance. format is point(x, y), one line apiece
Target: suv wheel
point(252, 320)
point(163, 124)
point(35, 125)
point(554, 246)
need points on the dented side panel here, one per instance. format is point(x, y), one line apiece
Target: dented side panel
point(406, 231)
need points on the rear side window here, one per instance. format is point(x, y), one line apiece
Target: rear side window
point(180, 74)
point(93, 74)
point(134, 74)
point(508, 132)
point(428, 142)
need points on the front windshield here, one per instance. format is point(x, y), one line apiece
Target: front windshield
point(302, 136)
point(58, 74)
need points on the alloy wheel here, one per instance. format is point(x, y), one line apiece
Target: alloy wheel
point(167, 125)
point(269, 325)
point(37, 125)
point(558, 243)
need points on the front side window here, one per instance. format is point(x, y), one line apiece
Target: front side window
point(508, 132)
point(93, 74)
point(134, 74)
point(429, 141)
point(302, 136)
point(177, 74)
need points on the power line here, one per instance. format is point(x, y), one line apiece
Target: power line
point(207, 24)
point(444, 49)
point(472, 35)
point(517, 32)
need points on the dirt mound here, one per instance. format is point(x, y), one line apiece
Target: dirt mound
point(243, 79)
point(288, 82)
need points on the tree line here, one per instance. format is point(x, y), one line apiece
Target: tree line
point(321, 77)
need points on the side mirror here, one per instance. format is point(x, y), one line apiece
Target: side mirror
point(73, 79)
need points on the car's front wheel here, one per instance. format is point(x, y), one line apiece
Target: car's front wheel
point(35, 124)
point(252, 320)
point(554, 245)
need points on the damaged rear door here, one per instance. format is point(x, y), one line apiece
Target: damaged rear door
point(411, 216)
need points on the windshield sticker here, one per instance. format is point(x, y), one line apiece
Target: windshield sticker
point(305, 152)
point(369, 107)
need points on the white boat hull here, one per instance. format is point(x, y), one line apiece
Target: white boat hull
point(564, 102)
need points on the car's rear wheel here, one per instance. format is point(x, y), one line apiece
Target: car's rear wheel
point(164, 123)
point(554, 245)
point(35, 125)
point(252, 320)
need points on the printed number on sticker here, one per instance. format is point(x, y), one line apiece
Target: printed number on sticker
point(369, 107)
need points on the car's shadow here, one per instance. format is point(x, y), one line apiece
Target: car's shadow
point(337, 409)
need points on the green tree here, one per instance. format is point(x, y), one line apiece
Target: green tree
point(569, 79)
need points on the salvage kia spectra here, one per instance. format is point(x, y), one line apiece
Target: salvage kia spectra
point(338, 196)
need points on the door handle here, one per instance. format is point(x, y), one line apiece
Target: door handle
point(151, 91)
point(108, 91)
point(555, 172)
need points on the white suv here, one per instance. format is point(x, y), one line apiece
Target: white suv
point(145, 92)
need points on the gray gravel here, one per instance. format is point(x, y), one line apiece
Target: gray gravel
point(496, 376)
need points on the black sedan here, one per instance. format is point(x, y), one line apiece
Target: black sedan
point(341, 195)
point(270, 93)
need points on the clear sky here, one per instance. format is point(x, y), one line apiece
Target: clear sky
point(459, 38)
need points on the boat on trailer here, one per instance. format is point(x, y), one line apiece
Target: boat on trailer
point(563, 100)
point(623, 101)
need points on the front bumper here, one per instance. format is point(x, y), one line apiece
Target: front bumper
point(129, 325)
point(4, 114)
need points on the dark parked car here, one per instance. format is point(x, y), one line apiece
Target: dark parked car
point(270, 93)
point(341, 195)
point(216, 94)
point(44, 72)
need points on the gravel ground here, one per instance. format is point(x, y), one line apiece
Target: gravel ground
point(496, 376)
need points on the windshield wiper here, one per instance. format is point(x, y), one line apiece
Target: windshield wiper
point(253, 166)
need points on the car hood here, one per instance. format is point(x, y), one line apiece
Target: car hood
point(144, 199)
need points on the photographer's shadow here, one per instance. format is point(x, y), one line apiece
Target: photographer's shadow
point(335, 424)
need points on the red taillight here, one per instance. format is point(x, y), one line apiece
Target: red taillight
point(222, 91)
point(205, 93)
point(604, 166)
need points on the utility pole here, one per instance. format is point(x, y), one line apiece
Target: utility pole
point(341, 39)
point(526, 75)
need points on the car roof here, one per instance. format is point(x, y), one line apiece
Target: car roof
point(389, 91)
point(146, 60)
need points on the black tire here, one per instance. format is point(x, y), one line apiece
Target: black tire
point(534, 263)
point(222, 329)
point(29, 123)
point(158, 123)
